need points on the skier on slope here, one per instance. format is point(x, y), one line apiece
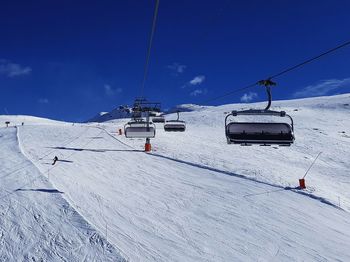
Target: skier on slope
point(55, 159)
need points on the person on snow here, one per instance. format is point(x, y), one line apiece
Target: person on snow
point(55, 159)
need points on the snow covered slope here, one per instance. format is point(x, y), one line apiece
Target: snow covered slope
point(31, 120)
point(321, 125)
point(36, 222)
point(195, 198)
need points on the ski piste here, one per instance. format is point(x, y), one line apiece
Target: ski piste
point(192, 198)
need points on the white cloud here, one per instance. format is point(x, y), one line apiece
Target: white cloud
point(195, 81)
point(109, 91)
point(323, 87)
point(43, 101)
point(10, 69)
point(177, 68)
point(198, 92)
point(248, 97)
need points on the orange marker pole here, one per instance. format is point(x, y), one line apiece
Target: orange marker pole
point(302, 180)
point(148, 146)
point(302, 183)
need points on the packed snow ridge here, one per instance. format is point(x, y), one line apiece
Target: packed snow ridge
point(193, 198)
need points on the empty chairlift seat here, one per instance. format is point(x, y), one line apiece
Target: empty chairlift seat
point(262, 133)
point(139, 129)
point(158, 119)
point(175, 126)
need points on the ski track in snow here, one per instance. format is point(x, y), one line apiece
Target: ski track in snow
point(36, 223)
point(195, 198)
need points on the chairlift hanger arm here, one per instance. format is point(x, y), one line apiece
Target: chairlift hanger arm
point(265, 112)
point(267, 84)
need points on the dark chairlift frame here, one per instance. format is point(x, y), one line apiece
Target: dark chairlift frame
point(261, 133)
point(175, 125)
point(158, 119)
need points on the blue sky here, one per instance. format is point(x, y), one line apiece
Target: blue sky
point(69, 60)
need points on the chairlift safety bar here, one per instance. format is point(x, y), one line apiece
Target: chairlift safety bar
point(259, 112)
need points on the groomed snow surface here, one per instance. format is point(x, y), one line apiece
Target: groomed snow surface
point(194, 198)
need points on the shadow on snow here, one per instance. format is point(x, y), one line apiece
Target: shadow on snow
point(279, 188)
point(93, 150)
point(44, 190)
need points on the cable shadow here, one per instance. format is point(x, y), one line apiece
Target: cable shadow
point(44, 190)
point(216, 170)
point(128, 150)
point(94, 150)
point(279, 188)
point(65, 161)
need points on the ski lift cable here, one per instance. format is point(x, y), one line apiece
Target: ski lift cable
point(115, 138)
point(154, 23)
point(310, 60)
point(280, 73)
point(230, 93)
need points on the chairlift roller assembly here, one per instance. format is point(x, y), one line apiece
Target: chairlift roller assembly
point(261, 133)
point(142, 105)
point(175, 125)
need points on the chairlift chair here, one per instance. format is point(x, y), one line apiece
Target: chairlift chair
point(175, 125)
point(158, 119)
point(139, 128)
point(261, 133)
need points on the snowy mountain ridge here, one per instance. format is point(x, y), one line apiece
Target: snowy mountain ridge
point(121, 112)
